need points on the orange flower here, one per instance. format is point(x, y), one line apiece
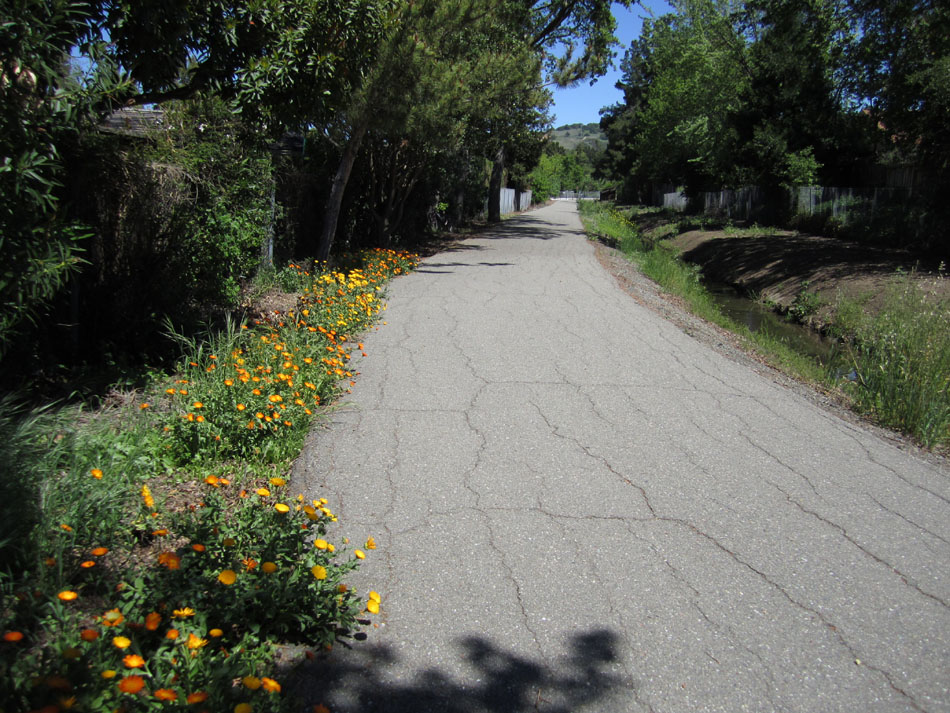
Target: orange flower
point(147, 497)
point(99, 551)
point(13, 636)
point(370, 543)
point(171, 634)
point(143, 406)
point(166, 694)
point(170, 560)
point(131, 684)
point(216, 633)
point(65, 527)
point(270, 685)
point(249, 564)
point(67, 595)
point(196, 697)
point(268, 568)
point(87, 564)
point(195, 642)
point(88, 634)
point(212, 480)
point(198, 547)
point(227, 577)
point(160, 532)
point(240, 407)
point(96, 473)
point(275, 399)
point(198, 404)
point(113, 617)
point(152, 621)
point(133, 661)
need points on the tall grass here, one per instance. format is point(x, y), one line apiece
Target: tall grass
point(901, 360)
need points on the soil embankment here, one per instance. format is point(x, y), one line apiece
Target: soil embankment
point(779, 265)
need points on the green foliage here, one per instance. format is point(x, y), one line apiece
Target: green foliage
point(806, 304)
point(901, 358)
point(39, 247)
point(135, 565)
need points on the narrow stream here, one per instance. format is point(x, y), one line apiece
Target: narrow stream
point(760, 319)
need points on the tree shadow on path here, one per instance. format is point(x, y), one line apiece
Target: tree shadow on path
point(355, 680)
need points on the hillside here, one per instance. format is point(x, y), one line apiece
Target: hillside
point(570, 135)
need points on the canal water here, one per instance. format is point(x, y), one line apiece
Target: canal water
point(760, 319)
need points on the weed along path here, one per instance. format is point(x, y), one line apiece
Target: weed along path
point(578, 507)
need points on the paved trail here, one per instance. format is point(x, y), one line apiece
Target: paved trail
point(578, 507)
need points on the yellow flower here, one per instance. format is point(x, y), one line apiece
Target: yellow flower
point(320, 544)
point(263, 492)
point(281, 508)
point(183, 613)
point(67, 595)
point(360, 555)
point(372, 607)
point(216, 633)
point(227, 577)
point(147, 497)
point(121, 642)
point(374, 596)
point(195, 642)
point(278, 482)
point(109, 673)
point(268, 567)
point(251, 682)
point(319, 571)
point(370, 543)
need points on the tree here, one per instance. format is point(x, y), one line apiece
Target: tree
point(573, 40)
point(680, 80)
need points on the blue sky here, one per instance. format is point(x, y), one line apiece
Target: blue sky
point(582, 104)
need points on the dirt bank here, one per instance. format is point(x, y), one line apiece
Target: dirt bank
point(776, 266)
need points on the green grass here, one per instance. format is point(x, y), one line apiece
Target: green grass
point(901, 358)
point(169, 511)
point(900, 354)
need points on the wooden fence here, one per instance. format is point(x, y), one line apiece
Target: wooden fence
point(750, 203)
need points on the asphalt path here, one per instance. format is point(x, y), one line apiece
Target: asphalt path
point(578, 507)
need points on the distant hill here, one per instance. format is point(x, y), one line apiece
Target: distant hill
point(570, 135)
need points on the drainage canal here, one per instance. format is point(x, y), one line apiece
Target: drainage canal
point(758, 318)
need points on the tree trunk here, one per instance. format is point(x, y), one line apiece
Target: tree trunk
point(494, 187)
point(331, 214)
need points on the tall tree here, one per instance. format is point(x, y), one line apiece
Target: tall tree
point(574, 41)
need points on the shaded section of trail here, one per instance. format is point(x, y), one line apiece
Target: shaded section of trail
point(579, 507)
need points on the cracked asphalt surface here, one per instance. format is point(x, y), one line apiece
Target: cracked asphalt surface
point(579, 507)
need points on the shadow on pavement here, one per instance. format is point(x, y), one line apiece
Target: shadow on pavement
point(354, 680)
point(429, 266)
point(526, 228)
